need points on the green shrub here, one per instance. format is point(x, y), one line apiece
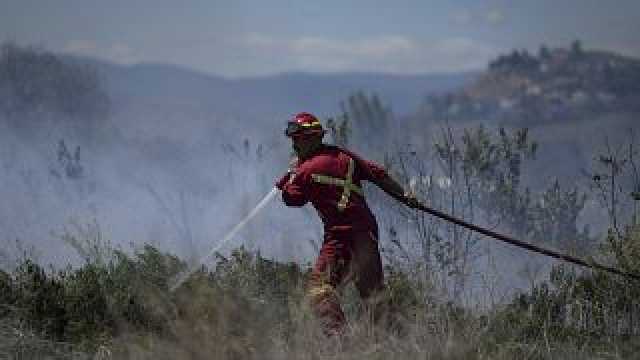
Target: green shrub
point(40, 299)
point(246, 306)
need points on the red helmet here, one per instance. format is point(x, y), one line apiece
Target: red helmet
point(304, 124)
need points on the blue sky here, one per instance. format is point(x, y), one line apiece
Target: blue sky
point(248, 38)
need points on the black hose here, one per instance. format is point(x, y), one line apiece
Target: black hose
point(526, 245)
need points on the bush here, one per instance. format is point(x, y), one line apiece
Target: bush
point(247, 306)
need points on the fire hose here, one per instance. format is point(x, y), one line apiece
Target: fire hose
point(525, 245)
point(181, 278)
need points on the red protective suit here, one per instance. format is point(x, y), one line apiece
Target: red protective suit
point(331, 180)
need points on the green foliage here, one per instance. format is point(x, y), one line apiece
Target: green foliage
point(245, 306)
point(405, 296)
point(365, 122)
point(494, 164)
point(86, 309)
point(5, 285)
point(88, 303)
point(516, 61)
point(492, 167)
point(239, 307)
point(574, 305)
point(367, 113)
point(625, 249)
point(40, 298)
point(269, 284)
point(69, 165)
point(576, 50)
point(340, 131)
point(584, 308)
point(553, 220)
point(99, 299)
point(615, 179)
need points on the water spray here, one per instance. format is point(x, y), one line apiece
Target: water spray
point(181, 278)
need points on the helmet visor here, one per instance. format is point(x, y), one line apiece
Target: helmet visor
point(297, 129)
point(293, 128)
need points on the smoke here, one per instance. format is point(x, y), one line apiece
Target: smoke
point(204, 260)
point(180, 186)
point(182, 180)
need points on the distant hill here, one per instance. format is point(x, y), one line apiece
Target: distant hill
point(277, 95)
point(555, 85)
point(573, 101)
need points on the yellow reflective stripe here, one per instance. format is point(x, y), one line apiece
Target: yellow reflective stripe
point(346, 191)
point(327, 180)
point(322, 291)
point(356, 189)
point(316, 123)
point(347, 184)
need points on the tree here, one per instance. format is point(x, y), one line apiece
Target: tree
point(554, 220)
point(615, 179)
point(479, 180)
point(70, 165)
point(544, 53)
point(369, 122)
point(34, 82)
point(339, 130)
point(495, 166)
point(576, 49)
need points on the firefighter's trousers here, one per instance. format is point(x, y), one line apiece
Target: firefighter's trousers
point(344, 256)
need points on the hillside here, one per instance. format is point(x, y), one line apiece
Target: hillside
point(97, 223)
point(572, 100)
point(267, 96)
point(559, 84)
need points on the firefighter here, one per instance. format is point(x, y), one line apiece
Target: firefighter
point(330, 178)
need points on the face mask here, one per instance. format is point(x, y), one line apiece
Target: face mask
point(304, 148)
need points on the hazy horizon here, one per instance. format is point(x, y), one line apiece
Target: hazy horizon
point(246, 38)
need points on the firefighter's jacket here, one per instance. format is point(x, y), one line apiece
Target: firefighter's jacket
point(331, 180)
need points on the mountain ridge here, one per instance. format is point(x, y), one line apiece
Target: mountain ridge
point(271, 94)
point(554, 85)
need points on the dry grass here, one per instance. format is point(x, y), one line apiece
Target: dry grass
point(252, 308)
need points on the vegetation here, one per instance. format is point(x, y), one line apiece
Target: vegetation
point(35, 82)
point(117, 305)
point(250, 307)
point(551, 86)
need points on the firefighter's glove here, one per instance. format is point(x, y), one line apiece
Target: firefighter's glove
point(290, 175)
point(293, 164)
point(411, 200)
point(293, 167)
